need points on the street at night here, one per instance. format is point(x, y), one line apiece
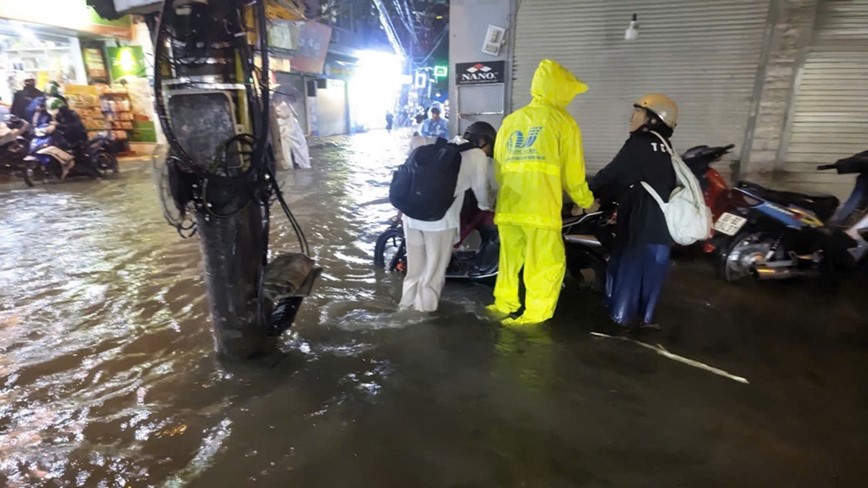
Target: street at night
point(108, 378)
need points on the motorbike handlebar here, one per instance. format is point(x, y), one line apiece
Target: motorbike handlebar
point(824, 167)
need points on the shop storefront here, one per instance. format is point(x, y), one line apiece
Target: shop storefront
point(828, 115)
point(27, 50)
point(704, 54)
point(103, 66)
point(46, 38)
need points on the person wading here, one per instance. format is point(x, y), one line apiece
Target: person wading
point(429, 243)
point(538, 156)
point(640, 258)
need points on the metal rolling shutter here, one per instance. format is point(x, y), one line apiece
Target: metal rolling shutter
point(829, 118)
point(702, 53)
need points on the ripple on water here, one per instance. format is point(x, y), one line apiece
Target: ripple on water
point(107, 376)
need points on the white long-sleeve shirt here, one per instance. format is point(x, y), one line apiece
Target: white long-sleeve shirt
point(475, 175)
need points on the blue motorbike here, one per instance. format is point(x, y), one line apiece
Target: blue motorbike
point(51, 157)
point(781, 234)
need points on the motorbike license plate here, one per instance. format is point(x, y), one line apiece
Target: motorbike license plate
point(729, 224)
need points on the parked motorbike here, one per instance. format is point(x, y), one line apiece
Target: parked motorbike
point(781, 234)
point(479, 264)
point(50, 155)
point(585, 240)
point(15, 137)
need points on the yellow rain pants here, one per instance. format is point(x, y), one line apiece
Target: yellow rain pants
point(538, 156)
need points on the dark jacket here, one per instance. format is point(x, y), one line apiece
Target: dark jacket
point(70, 125)
point(640, 220)
point(21, 101)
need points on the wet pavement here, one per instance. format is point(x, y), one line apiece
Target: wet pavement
point(108, 378)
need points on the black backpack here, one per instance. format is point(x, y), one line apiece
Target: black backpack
point(424, 186)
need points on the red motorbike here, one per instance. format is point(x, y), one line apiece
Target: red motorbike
point(715, 189)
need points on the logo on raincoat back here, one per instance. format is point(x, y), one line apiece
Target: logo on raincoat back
point(520, 146)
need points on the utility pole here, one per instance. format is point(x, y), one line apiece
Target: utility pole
point(213, 104)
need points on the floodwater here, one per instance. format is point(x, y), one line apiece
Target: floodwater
point(108, 378)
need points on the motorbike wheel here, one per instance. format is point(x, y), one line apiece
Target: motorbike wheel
point(390, 251)
point(589, 270)
point(744, 251)
point(105, 162)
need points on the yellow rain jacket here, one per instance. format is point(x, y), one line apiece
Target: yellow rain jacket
point(538, 153)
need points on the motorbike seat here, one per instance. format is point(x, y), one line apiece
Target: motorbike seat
point(822, 204)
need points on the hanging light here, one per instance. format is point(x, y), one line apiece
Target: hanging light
point(632, 31)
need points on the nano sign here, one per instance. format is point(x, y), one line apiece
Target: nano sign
point(481, 73)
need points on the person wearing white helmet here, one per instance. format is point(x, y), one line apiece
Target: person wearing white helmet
point(640, 258)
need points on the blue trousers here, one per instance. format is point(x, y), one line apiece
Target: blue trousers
point(635, 279)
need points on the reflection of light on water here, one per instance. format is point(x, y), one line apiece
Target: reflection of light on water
point(105, 344)
point(210, 446)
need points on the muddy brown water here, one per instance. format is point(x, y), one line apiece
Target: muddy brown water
point(108, 378)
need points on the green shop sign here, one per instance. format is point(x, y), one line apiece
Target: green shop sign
point(126, 61)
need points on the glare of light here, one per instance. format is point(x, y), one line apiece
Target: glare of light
point(376, 83)
point(126, 61)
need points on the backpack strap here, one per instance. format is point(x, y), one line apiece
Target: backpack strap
point(466, 146)
point(648, 187)
point(654, 194)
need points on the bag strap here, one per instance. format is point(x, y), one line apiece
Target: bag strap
point(648, 187)
point(679, 178)
point(654, 194)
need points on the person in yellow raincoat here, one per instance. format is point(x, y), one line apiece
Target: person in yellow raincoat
point(538, 157)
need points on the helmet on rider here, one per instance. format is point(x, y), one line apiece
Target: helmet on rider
point(661, 111)
point(483, 135)
point(52, 89)
point(53, 105)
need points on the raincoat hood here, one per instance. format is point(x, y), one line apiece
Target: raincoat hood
point(436, 105)
point(555, 85)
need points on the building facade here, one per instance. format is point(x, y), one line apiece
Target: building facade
point(783, 80)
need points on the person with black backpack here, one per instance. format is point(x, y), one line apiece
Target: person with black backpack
point(429, 190)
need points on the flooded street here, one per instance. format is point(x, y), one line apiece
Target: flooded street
point(108, 376)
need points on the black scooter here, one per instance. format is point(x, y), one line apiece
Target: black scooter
point(470, 264)
point(780, 234)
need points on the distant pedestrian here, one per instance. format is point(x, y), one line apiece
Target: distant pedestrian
point(390, 119)
point(435, 126)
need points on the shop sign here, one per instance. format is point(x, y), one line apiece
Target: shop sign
point(126, 61)
point(282, 35)
point(94, 64)
point(67, 14)
point(481, 73)
point(313, 44)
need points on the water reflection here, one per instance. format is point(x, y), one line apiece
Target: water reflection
point(108, 378)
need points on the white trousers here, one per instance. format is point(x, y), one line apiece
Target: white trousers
point(428, 255)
